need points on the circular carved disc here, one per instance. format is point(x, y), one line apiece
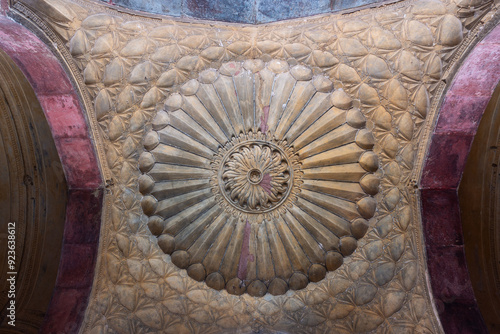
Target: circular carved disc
point(254, 176)
point(258, 181)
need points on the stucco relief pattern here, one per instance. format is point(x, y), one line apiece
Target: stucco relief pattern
point(390, 61)
point(258, 176)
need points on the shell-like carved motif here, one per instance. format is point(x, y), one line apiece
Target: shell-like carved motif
point(258, 177)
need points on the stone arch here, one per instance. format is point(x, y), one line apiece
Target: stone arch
point(460, 113)
point(68, 126)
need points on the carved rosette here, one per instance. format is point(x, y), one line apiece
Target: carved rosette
point(258, 177)
point(255, 177)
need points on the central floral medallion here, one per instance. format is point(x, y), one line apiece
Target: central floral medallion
point(255, 175)
point(258, 177)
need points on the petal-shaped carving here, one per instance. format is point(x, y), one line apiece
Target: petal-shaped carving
point(433, 66)
point(194, 41)
point(167, 54)
point(142, 73)
point(98, 21)
point(421, 100)
point(397, 95)
point(419, 33)
point(239, 48)
point(103, 45)
point(297, 50)
point(383, 39)
point(103, 104)
point(368, 95)
point(348, 74)
point(450, 31)
point(324, 58)
point(377, 68)
point(92, 74)
point(350, 26)
point(268, 46)
point(114, 72)
point(409, 65)
point(406, 126)
point(79, 44)
point(352, 47)
point(135, 48)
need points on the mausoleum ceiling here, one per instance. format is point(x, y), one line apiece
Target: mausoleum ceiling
point(261, 178)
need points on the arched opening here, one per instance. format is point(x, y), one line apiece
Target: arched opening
point(455, 270)
point(480, 211)
point(33, 201)
point(53, 93)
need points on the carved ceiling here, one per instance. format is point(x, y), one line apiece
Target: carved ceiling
point(261, 178)
point(278, 160)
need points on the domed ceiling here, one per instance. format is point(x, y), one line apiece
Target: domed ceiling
point(262, 178)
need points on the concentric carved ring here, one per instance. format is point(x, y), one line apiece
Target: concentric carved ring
point(258, 177)
point(255, 175)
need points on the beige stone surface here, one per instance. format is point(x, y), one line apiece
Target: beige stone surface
point(142, 79)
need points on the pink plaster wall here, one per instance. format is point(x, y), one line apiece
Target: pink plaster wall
point(59, 101)
point(4, 6)
point(459, 117)
point(69, 129)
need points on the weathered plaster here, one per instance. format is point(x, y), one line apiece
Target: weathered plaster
point(458, 121)
point(67, 122)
